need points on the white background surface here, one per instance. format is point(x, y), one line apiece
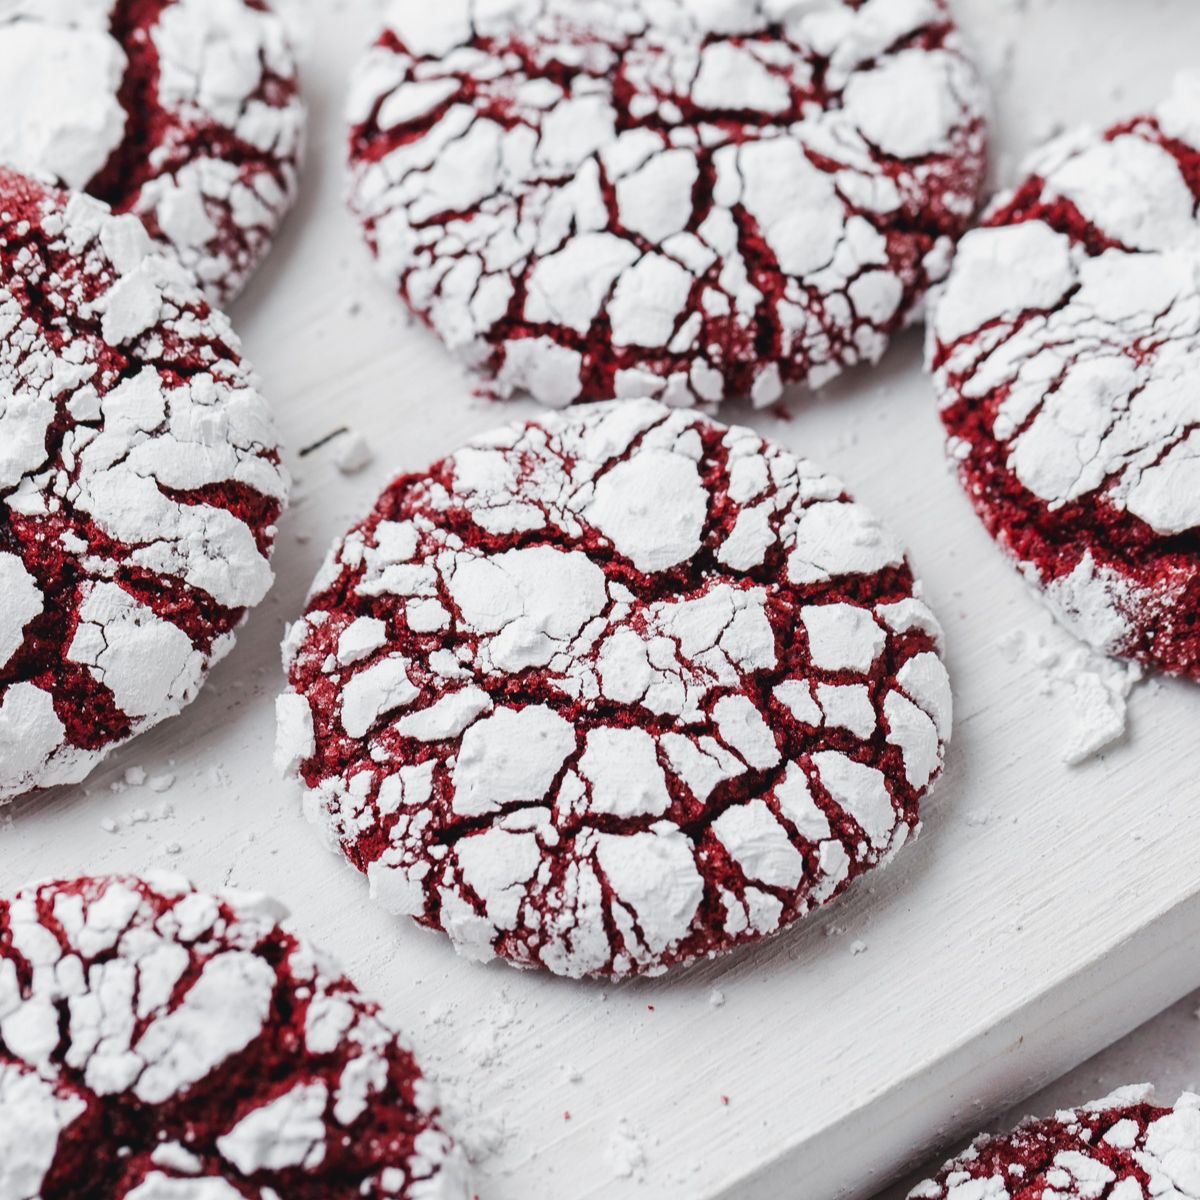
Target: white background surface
point(1045, 912)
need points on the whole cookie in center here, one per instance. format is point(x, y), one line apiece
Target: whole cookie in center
point(613, 691)
point(590, 199)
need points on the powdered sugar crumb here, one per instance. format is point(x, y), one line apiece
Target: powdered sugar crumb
point(353, 453)
point(1093, 689)
point(626, 1152)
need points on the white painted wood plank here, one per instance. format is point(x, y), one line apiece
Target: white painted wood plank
point(1045, 911)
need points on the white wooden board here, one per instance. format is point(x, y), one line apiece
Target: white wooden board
point(1045, 912)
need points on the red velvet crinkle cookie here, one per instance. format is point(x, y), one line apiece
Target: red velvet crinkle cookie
point(185, 112)
point(613, 691)
point(139, 485)
point(1066, 349)
point(592, 199)
point(158, 1043)
point(1125, 1147)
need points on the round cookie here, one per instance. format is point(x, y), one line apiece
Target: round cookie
point(139, 485)
point(598, 199)
point(1125, 1147)
point(1065, 349)
point(165, 1044)
point(185, 112)
point(615, 690)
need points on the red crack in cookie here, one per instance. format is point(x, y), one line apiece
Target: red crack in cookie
point(592, 199)
point(1066, 349)
point(157, 1043)
point(1124, 1147)
point(185, 112)
point(614, 691)
point(139, 485)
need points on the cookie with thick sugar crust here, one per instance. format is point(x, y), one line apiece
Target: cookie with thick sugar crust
point(615, 690)
point(160, 1043)
point(184, 112)
point(1124, 1147)
point(1066, 349)
point(689, 199)
point(140, 484)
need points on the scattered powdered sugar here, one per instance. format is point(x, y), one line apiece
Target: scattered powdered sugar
point(1124, 1147)
point(1065, 347)
point(140, 484)
point(592, 199)
point(186, 112)
point(133, 1008)
point(1093, 689)
point(626, 1153)
point(486, 1046)
point(615, 690)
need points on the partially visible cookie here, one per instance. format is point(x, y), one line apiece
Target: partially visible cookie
point(1066, 350)
point(590, 199)
point(140, 484)
point(160, 1043)
point(615, 690)
point(185, 112)
point(1125, 1147)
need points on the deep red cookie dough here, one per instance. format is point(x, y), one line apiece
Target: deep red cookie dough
point(159, 1043)
point(1066, 349)
point(613, 691)
point(1125, 1147)
point(140, 484)
point(596, 199)
point(185, 112)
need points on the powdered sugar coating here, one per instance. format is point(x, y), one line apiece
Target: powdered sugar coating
point(640, 688)
point(1065, 349)
point(185, 112)
point(140, 483)
point(592, 199)
point(166, 1044)
point(1124, 1147)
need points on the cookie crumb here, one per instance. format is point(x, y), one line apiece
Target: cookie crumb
point(353, 454)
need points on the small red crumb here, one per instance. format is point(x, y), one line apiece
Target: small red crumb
point(566, 1116)
point(725, 1101)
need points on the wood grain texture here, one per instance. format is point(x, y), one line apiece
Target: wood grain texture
point(1045, 911)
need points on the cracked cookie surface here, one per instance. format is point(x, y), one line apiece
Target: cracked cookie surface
point(184, 112)
point(1125, 1147)
point(615, 690)
point(1066, 348)
point(595, 199)
point(140, 484)
point(159, 1043)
